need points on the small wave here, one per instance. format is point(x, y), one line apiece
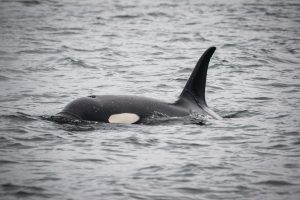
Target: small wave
point(184, 70)
point(218, 167)
point(280, 147)
point(278, 116)
point(261, 98)
point(23, 191)
point(290, 133)
point(82, 49)
point(39, 161)
point(187, 145)
point(39, 51)
point(283, 85)
point(5, 162)
point(19, 116)
point(277, 4)
point(77, 62)
point(15, 130)
point(9, 186)
point(275, 183)
point(91, 160)
point(158, 14)
point(180, 146)
point(241, 114)
point(41, 68)
point(180, 39)
point(109, 35)
point(292, 166)
point(66, 32)
point(31, 139)
point(224, 138)
point(3, 53)
point(49, 178)
point(126, 16)
point(297, 142)
point(181, 80)
point(163, 86)
point(132, 140)
point(191, 190)
point(153, 168)
point(16, 145)
point(137, 141)
point(29, 2)
point(229, 45)
point(3, 78)
point(167, 5)
point(12, 71)
point(46, 28)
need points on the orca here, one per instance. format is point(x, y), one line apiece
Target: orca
point(134, 109)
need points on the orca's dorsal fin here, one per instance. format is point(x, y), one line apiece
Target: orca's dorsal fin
point(194, 89)
point(195, 85)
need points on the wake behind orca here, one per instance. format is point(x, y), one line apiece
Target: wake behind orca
point(134, 109)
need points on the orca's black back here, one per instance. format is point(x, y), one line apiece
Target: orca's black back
point(100, 108)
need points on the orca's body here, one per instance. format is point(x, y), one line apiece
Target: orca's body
point(133, 109)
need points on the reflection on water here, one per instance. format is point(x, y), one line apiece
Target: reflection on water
point(55, 51)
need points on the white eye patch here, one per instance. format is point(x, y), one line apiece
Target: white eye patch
point(123, 118)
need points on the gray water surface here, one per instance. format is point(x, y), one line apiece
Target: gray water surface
point(53, 52)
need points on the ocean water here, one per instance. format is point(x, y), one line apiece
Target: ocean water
point(53, 52)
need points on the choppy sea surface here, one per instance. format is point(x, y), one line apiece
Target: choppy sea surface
point(52, 52)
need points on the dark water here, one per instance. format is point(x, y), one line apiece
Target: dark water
point(55, 51)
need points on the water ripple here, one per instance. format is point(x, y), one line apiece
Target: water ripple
point(276, 183)
point(24, 191)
